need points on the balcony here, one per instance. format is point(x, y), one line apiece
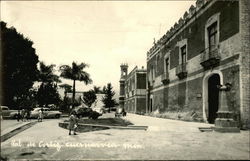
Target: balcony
point(210, 57)
point(165, 78)
point(181, 71)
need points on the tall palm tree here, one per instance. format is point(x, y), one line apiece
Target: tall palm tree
point(46, 73)
point(47, 91)
point(76, 73)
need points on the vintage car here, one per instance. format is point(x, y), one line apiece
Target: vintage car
point(47, 113)
point(7, 113)
point(120, 112)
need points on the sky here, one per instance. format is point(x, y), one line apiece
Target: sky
point(102, 34)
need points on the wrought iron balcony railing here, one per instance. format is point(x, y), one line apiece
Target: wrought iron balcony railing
point(210, 57)
point(181, 70)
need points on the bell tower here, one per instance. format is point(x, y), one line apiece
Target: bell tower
point(124, 72)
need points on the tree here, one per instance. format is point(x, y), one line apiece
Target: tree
point(46, 73)
point(76, 73)
point(47, 92)
point(97, 90)
point(89, 97)
point(18, 66)
point(108, 97)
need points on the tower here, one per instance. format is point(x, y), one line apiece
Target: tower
point(124, 71)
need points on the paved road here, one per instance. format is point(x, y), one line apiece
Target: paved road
point(165, 139)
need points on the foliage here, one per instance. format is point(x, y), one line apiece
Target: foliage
point(108, 97)
point(76, 73)
point(89, 97)
point(18, 66)
point(48, 94)
point(46, 73)
point(97, 90)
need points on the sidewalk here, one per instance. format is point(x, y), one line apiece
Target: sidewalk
point(10, 128)
point(161, 124)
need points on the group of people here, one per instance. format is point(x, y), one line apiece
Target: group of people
point(24, 115)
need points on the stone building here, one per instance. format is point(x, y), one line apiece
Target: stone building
point(207, 47)
point(133, 90)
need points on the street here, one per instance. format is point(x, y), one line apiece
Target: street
point(164, 139)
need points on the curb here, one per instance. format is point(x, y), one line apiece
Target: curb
point(131, 127)
point(16, 131)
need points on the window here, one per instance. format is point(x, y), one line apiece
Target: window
point(212, 36)
point(157, 63)
point(183, 54)
point(212, 32)
point(152, 73)
point(166, 65)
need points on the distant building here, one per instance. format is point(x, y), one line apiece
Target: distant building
point(207, 47)
point(78, 95)
point(133, 90)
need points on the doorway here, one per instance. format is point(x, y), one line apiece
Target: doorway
point(213, 97)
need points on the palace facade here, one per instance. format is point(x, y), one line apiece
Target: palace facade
point(206, 48)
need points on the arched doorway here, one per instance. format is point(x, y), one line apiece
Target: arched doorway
point(213, 97)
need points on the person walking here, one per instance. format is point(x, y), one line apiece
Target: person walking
point(18, 116)
point(73, 123)
point(22, 114)
point(40, 115)
point(28, 115)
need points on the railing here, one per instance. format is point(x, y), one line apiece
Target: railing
point(210, 56)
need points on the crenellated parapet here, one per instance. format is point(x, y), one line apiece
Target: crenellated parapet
point(199, 5)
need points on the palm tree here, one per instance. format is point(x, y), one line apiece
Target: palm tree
point(97, 89)
point(46, 73)
point(47, 91)
point(76, 73)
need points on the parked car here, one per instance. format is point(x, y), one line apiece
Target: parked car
point(120, 112)
point(7, 113)
point(47, 113)
point(86, 112)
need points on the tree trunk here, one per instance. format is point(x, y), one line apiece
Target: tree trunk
point(73, 96)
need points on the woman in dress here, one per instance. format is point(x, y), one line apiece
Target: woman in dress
point(72, 123)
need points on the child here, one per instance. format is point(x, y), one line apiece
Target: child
point(72, 123)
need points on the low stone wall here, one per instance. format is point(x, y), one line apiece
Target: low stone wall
point(92, 127)
point(83, 128)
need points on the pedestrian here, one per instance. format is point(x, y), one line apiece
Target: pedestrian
point(22, 114)
point(73, 123)
point(18, 116)
point(40, 115)
point(28, 115)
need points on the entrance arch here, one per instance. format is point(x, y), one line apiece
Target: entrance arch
point(211, 95)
